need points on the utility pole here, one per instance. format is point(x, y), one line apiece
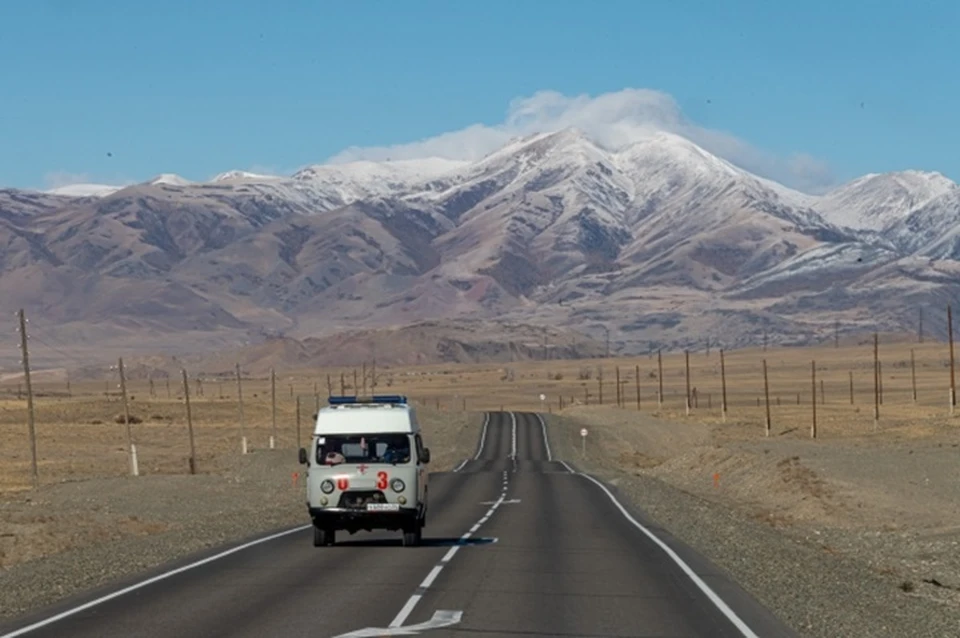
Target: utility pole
point(298, 420)
point(619, 394)
point(953, 379)
point(192, 461)
point(876, 380)
point(31, 423)
point(659, 379)
point(723, 388)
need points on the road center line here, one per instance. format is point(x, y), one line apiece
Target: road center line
point(424, 586)
point(432, 576)
point(483, 435)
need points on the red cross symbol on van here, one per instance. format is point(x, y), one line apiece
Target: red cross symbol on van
point(362, 468)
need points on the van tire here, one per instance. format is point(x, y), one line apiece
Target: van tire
point(322, 537)
point(412, 538)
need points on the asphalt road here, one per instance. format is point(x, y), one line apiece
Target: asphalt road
point(516, 544)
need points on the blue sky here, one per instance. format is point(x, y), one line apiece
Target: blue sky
point(198, 87)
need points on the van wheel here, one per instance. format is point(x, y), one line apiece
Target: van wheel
point(412, 538)
point(323, 537)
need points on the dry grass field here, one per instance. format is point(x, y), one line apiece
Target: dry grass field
point(80, 432)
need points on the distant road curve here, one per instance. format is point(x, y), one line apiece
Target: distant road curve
point(518, 545)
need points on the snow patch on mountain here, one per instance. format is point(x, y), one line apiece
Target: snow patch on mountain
point(239, 176)
point(170, 179)
point(930, 230)
point(878, 201)
point(84, 190)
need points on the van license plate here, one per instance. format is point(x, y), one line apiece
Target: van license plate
point(383, 507)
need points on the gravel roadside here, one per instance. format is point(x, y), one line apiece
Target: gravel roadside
point(819, 592)
point(73, 537)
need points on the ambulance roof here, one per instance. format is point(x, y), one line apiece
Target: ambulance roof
point(367, 415)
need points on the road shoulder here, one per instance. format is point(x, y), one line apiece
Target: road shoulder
point(815, 592)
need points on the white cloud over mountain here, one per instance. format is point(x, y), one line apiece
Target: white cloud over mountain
point(612, 120)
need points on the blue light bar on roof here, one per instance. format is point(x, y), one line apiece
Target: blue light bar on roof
point(377, 398)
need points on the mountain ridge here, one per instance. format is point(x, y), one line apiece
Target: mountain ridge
point(660, 242)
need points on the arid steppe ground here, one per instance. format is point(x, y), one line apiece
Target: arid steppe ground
point(873, 501)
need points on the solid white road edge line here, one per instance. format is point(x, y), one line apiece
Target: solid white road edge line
point(704, 587)
point(460, 467)
point(411, 603)
point(513, 436)
point(546, 441)
point(150, 581)
point(483, 435)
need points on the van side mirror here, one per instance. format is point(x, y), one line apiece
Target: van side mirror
point(303, 456)
point(314, 417)
point(425, 457)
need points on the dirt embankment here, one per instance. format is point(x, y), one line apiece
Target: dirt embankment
point(74, 536)
point(851, 536)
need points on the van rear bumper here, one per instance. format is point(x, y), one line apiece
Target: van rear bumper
point(354, 520)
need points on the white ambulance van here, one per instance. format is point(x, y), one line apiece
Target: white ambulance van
point(366, 469)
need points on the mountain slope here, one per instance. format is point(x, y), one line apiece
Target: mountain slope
point(659, 242)
point(876, 202)
point(931, 230)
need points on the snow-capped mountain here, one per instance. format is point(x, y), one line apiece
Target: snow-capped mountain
point(931, 229)
point(332, 185)
point(658, 241)
point(875, 202)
